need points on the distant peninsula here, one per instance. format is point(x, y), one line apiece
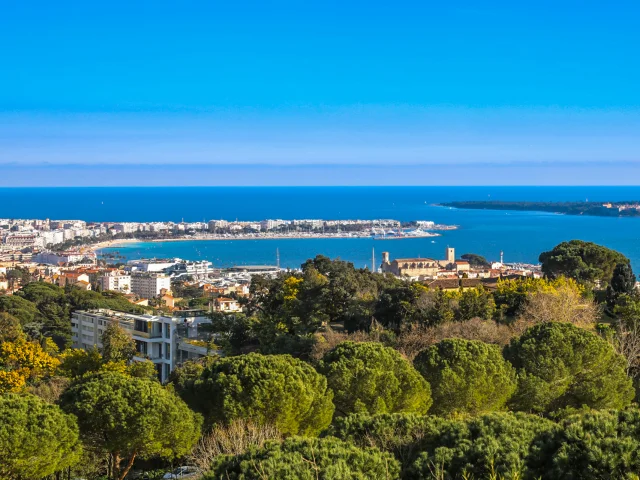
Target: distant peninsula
point(598, 209)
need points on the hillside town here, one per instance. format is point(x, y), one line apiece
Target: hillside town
point(169, 323)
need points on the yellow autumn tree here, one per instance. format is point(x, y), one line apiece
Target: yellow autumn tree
point(22, 362)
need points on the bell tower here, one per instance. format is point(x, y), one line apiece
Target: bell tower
point(450, 255)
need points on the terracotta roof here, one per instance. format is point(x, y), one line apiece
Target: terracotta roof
point(470, 282)
point(444, 283)
point(413, 260)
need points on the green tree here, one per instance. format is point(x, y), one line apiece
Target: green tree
point(436, 447)
point(370, 378)
point(560, 365)
point(475, 303)
point(590, 446)
point(623, 282)
point(128, 417)
point(585, 262)
point(10, 329)
point(495, 445)
point(22, 309)
point(466, 376)
point(402, 434)
point(307, 459)
point(274, 389)
point(117, 344)
point(144, 369)
point(414, 304)
point(75, 362)
point(623, 279)
point(476, 261)
point(54, 310)
point(36, 439)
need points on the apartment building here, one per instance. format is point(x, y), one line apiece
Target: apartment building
point(149, 285)
point(186, 268)
point(166, 341)
point(115, 281)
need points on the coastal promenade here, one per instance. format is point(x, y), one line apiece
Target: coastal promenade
point(266, 236)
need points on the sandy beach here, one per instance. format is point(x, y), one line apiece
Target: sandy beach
point(255, 236)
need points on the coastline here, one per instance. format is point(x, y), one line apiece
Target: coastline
point(111, 243)
point(116, 243)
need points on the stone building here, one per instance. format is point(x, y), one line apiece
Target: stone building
point(410, 267)
point(422, 267)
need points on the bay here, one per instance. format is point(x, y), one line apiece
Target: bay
point(520, 235)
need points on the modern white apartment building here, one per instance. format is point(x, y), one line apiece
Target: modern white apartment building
point(196, 269)
point(149, 285)
point(166, 341)
point(151, 265)
point(115, 281)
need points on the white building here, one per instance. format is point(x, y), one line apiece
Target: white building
point(272, 224)
point(70, 256)
point(166, 341)
point(126, 227)
point(53, 237)
point(195, 269)
point(151, 265)
point(22, 240)
point(115, 281)
point(149, 285)
point(215, 224)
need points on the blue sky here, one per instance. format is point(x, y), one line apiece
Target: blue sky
point(455, 92)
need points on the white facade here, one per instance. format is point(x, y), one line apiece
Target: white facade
point(53, 237)
point(197, 269)
point(149, 285)
point(153, 265)
point(53, 258)
point(126, 227)
point(154, 335)
point(166, 341)
point(116, 282)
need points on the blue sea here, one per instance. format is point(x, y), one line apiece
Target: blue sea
point(521, 235)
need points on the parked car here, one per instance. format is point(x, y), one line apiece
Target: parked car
point(182, 472)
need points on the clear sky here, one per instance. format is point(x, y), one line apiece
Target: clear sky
point(415, 92)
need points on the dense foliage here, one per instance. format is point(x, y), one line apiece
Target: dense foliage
point(128, 417)
point(495, 444)
point(371, 378)
point(402, 434)
point(36, 439)
point(591, 446)
point(466, 377)
point(476, 261)
point(44, 309)
point(435, 447)
point(544, 346)
point(582, 261)
point(560, 365)
point(275, 389)
point(307, 459)
point(415, 304)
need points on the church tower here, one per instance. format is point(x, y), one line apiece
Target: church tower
point(450, 255)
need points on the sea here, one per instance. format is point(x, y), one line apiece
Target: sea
point(521, 236)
